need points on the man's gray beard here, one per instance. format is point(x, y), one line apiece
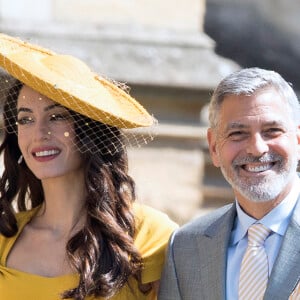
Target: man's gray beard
point(266, 189)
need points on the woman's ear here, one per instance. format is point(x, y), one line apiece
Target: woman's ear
point(211, 139)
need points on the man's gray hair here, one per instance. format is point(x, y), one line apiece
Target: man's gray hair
point(247, 82)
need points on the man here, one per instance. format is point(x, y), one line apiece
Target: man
point(254, 137)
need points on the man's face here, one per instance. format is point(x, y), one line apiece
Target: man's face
point(256, 145)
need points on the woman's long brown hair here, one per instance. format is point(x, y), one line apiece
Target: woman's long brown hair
point(102, 252)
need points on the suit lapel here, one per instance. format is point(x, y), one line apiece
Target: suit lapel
point(213, 264)
point(286, 271)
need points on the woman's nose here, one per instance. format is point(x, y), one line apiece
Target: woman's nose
point(42, 131)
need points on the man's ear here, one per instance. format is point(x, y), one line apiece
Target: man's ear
point(211, 139)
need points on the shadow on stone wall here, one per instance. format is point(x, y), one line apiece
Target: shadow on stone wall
point(243, 34)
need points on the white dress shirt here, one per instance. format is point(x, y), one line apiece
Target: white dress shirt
point(277, 220)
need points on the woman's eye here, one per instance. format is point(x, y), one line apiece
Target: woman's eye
point(24, 120)
point(59, 117)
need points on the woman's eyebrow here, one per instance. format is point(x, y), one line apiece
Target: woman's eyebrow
point(53, 106)
point(24, 109)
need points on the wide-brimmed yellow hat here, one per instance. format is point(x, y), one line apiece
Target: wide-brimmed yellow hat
point(71, 83)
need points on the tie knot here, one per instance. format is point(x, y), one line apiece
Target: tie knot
point(257, 233)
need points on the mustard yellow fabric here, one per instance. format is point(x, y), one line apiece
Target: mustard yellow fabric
point(153, 231)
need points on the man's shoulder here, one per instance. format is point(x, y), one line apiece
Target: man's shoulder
point(201, 224)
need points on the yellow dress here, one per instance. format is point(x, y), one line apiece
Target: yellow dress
point(153, 231)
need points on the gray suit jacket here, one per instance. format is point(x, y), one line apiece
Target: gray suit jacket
point(196, 260)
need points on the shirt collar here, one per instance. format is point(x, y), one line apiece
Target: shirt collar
point(277, 219)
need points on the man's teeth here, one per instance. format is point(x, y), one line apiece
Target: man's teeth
point(260, 168)
point(46, 153)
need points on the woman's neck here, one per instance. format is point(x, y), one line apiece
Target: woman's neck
point(64, 208)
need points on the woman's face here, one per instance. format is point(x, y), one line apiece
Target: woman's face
point(46, 136)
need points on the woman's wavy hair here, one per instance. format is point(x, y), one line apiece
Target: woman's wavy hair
point(103, 251)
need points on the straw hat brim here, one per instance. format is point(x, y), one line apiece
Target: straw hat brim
point(70, 82)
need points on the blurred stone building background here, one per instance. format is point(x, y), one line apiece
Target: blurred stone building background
point(172, 54)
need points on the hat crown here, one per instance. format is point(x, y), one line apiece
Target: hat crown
point(70, 68)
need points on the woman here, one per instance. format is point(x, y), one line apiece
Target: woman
point(78, 234)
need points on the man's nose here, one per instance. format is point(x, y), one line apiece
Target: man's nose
point(257, 145)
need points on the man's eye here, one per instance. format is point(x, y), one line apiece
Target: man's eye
point(24, 120)
point(273, 131)
point(236, 135)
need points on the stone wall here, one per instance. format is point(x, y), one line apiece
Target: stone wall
point(185, 15)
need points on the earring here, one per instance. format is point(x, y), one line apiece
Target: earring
point(20, 159)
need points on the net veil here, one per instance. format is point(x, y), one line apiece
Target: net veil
point(96, 114)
